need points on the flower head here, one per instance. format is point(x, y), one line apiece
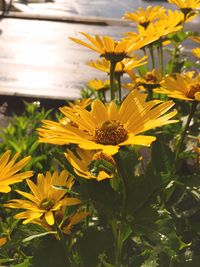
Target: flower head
point(196, 52)
point(186, 6)
point(99, 84)
point(9, 171)
point(114, 50)
point(84, 163)
point(144, 16)
point(150, 80)
point(181, 86)
point(45, 200)
point(108, 128)
point(124, 66)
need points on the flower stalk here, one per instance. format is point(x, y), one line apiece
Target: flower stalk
point(62, 241)
point(183, 135)
point(118, 76)
point(112, 79)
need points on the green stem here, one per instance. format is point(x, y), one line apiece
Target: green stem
point(63, 242)
point(118, 76)
point(152, 56)
point(112, 79)
point(118, 241)
point(180, 144)
point(121, 172)
point(160, 59)
point(175, 50)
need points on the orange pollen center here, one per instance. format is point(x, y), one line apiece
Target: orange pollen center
point(101, 155)
point(150, 77)
point(193, 89)
point(110, 133)
point(47, 204)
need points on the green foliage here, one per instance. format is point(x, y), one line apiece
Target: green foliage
point(21, 136)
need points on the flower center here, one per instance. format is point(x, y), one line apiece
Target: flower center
point(193, 89)
point(150, 77)
point(101, 155)
point(47, 204)
point(110, 133)
point(144, 23)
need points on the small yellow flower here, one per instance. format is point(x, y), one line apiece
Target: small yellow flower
point(188, 7)
point(99, 84)
point(149, 80)
point(3, 241)
point(73, 220)
point(144, 16)
point(124, 66)
point(195, 39)
point(196, 52)
point(114, 50)
point(108, 128)
point(81, 103)
point(45, 200)
point(9, 171)
point(181, 86)
point(81, 163)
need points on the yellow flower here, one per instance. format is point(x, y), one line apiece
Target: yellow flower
point(108, 128)
point(74, 219)
point(193, 4)
point(187, 6)
point(150, 80)
point(3, 241)
point(181, 86)
point(114, 50)
point(45, 200)
point(195, 39)
point(65, 222)
point(82, 163)
point(144, 16)
point(124, 66)
point(99, 84)
point(81, 103)
point(9, 171)
point(170, 23)
point(196, 52)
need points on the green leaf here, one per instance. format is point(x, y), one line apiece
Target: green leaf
point(141, 189)
point(49, 253)
point(27, 239)
point(26, 263)
point(93, 243)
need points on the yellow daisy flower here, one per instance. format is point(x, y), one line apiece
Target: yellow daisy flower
point(108, 128)
point(144, 16)
point(193, 4)
point(81, 103)
point(3, 241)
point(170, 23)
point(196, 52)
point(65, 222)
point(99, 84)
point(82, 162)
point(181, 86)
point(195, 39)
point(186, 6)
point(73, 220)
point(9, 171)
point(124, 66)
point(45, 200)
point(114, 50)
